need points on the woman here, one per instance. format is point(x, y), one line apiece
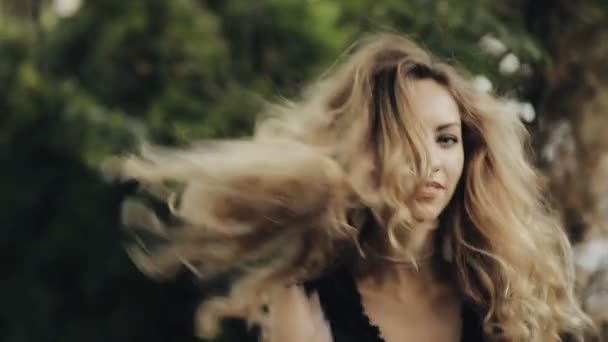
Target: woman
point(393, 202)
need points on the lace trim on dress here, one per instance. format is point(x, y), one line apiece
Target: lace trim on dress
point(341, 303)
point(343, 307)
point(374, 330)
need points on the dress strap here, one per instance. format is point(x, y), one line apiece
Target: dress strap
point(341, 304)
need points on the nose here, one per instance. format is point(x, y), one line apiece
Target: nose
point(435, 159)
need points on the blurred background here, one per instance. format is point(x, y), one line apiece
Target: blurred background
point(83, 79)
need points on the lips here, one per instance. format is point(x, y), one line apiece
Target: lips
point(434, 184)
point(430, 190)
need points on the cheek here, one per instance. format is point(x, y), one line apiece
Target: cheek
point(455, 167)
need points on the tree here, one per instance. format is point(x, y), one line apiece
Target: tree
point(79, 87)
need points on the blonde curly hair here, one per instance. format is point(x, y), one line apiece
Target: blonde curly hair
point(284, 205)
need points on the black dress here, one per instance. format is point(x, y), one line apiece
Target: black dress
point(341, 303)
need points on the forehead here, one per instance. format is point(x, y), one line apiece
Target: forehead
point(432, 102)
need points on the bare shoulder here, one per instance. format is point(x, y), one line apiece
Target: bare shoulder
point(295, 317)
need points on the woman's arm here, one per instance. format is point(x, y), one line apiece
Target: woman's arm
point(294, 317)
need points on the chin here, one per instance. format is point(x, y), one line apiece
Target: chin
point(429, 211)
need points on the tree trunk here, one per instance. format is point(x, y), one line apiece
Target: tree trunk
point(573, 133)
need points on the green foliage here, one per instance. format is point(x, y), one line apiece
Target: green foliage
point(78, 89)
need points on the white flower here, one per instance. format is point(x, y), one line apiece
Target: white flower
point(482, 83)
point(527, 112)
point(492, 45)
point(560, 134)
point(590, 255)
point(509, 64)
point(523, 110)
point(66, 8)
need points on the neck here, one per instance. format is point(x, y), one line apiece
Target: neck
point(420, 244)
point(419, 247)
point(416, 265)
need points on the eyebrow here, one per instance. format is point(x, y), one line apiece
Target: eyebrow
point(444, 126)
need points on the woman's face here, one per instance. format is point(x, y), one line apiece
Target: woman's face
point(440, 116)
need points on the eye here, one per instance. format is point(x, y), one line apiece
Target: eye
point(447, 139)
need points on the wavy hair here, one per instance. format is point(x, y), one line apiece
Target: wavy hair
point(289, 202)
